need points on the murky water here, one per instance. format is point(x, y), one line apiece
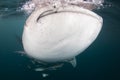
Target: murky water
point(101, 61)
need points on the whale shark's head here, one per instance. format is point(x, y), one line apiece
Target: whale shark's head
point(54, 34)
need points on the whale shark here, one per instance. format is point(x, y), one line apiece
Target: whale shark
point(59, 34)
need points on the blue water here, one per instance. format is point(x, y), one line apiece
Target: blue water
point(101, 61)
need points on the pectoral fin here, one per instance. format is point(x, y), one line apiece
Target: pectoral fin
point(73, 62)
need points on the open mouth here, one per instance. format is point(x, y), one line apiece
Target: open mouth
point(66, 10)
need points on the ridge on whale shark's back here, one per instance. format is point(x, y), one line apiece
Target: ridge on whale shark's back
point(59, 34)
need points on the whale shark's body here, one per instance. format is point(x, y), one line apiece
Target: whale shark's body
point(60, 34)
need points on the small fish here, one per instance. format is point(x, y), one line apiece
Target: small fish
point(54, 67)
point(22, 53)
point(45, 75)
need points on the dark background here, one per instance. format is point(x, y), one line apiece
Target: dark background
point(101, 61)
